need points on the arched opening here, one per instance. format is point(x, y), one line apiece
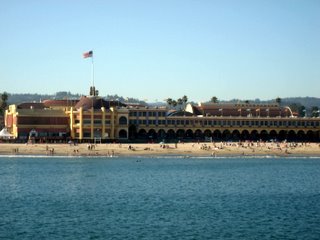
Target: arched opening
point(317, 136)
point(171, 134)
point(142, 134)
point(310, 136)
point(180, 134)
point(161, 134)
point(301, 136)
point(33, 133)
point(226, 135)
point(123, 121)
point(207, 133)
point(198, 134)
point(217, 135)
point(273, 135)
point(189, 134)
point(133, 132)
point(292, 136)
point(245, 135)
point(282, 135)
point(264, 136)
point(152, 134)
point(123, 134)
point(235, 135)
point(254, 136)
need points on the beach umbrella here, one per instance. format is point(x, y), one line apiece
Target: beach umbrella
point(4, 134)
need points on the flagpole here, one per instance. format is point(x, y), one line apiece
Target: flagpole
point(92, 88)
point(92, 71)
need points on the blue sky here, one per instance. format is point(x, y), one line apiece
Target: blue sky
point(153, 50)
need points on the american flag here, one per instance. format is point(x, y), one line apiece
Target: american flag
point(87, 54)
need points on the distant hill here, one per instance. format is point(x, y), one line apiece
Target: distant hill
point(16, 98)
point(308, 102)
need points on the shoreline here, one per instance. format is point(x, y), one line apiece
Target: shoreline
point(184, 150)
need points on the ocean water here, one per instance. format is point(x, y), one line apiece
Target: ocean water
point(159, 198)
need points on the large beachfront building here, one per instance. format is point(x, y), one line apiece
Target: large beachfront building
point(92, 118)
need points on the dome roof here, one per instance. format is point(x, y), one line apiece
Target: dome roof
point(55, 103)
point(97, 103)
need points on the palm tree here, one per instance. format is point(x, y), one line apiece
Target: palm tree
point(180, 102)
point(174, 103)
point(214, 99)
point(315, 111)
point(169, 101)
point(278, 101)
point(3, 105)
point(302, 111)
point(185, 100)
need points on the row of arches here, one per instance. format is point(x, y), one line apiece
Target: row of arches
point(223, 135)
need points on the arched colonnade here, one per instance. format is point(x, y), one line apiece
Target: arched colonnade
point(221, 134)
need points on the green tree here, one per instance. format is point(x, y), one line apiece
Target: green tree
point(169, 102)
point(214, 99)
point(278, 101)
point(314, 111)
point(295, 107)
point(302, 111)
point(174, 103)
point(4, 104)
point(180, 102)
point(185, 100)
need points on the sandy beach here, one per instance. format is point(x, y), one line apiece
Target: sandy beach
point(180, 149)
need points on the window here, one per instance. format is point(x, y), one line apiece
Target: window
point(123, 120)
point(87, 134)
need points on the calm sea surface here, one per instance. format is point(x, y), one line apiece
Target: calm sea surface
point(159, 198)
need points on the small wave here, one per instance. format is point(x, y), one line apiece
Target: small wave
point(162, 156)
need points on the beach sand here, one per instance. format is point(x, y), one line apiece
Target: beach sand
point(215, 149)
